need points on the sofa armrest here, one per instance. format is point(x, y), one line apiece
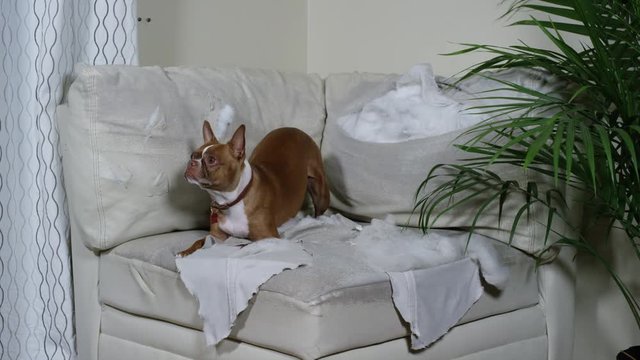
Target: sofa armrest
point(85, 263)
point(556, 283)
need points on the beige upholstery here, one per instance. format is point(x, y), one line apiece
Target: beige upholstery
point(515, 335)
point(332, 307)
point(126, 133)
point(136, 127)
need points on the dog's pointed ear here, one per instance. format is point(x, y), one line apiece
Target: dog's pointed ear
point(237, 142)
point(207, 133)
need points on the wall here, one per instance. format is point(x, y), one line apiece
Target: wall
point(248, 33)
point(390, 36)
point(321, 36)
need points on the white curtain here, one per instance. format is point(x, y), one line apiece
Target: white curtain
point(40, 41)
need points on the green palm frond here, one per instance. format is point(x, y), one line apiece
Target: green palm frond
point(584, 134)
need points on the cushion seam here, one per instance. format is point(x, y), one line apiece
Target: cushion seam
point(96, 160)
point(147, 265)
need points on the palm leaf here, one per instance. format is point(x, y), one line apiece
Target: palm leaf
point(586, 135)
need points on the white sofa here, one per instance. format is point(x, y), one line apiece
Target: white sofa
point(126, 133)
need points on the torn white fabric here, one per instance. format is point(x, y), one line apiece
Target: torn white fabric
point(435, 277)
point(224, 277)
point(433, 300)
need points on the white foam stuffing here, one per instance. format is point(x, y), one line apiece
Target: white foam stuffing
point(390, 248)
point(221, 116)
point(417, 108)
point(116, 173)
point(157, 121)
point(159, 186)
point(223, 121)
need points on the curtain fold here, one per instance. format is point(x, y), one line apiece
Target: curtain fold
point(40, 42)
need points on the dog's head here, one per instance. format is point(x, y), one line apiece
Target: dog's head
point(216, 166)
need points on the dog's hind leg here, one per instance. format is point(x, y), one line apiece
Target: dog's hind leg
point(318, 188)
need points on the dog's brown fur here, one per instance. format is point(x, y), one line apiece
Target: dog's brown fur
point(285, 164)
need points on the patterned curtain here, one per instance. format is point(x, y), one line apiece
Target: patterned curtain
point(40, 41)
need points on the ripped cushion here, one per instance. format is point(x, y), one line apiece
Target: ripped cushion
point(373, 179)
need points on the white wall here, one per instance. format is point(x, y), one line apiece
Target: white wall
point(247, 33)
point(321, 36)
point(392, 35)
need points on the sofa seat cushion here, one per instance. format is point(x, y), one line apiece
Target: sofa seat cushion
point(332, 306)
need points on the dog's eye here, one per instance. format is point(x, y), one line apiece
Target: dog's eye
point(210, 160)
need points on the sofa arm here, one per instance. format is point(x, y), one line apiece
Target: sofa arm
point(556, 283)
point(85, 263)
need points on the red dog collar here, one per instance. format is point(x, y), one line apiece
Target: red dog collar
point(216, 208)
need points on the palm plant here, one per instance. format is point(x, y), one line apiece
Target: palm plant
point(586, 135)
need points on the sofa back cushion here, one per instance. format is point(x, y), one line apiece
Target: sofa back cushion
point(127, 133)
point(373, 180)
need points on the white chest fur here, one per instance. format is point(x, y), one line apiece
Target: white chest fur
point(234, 220)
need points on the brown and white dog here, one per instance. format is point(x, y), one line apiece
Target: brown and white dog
point(250, 199)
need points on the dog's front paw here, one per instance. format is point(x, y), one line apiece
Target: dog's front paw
point(184, 253)
point(195, 246)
